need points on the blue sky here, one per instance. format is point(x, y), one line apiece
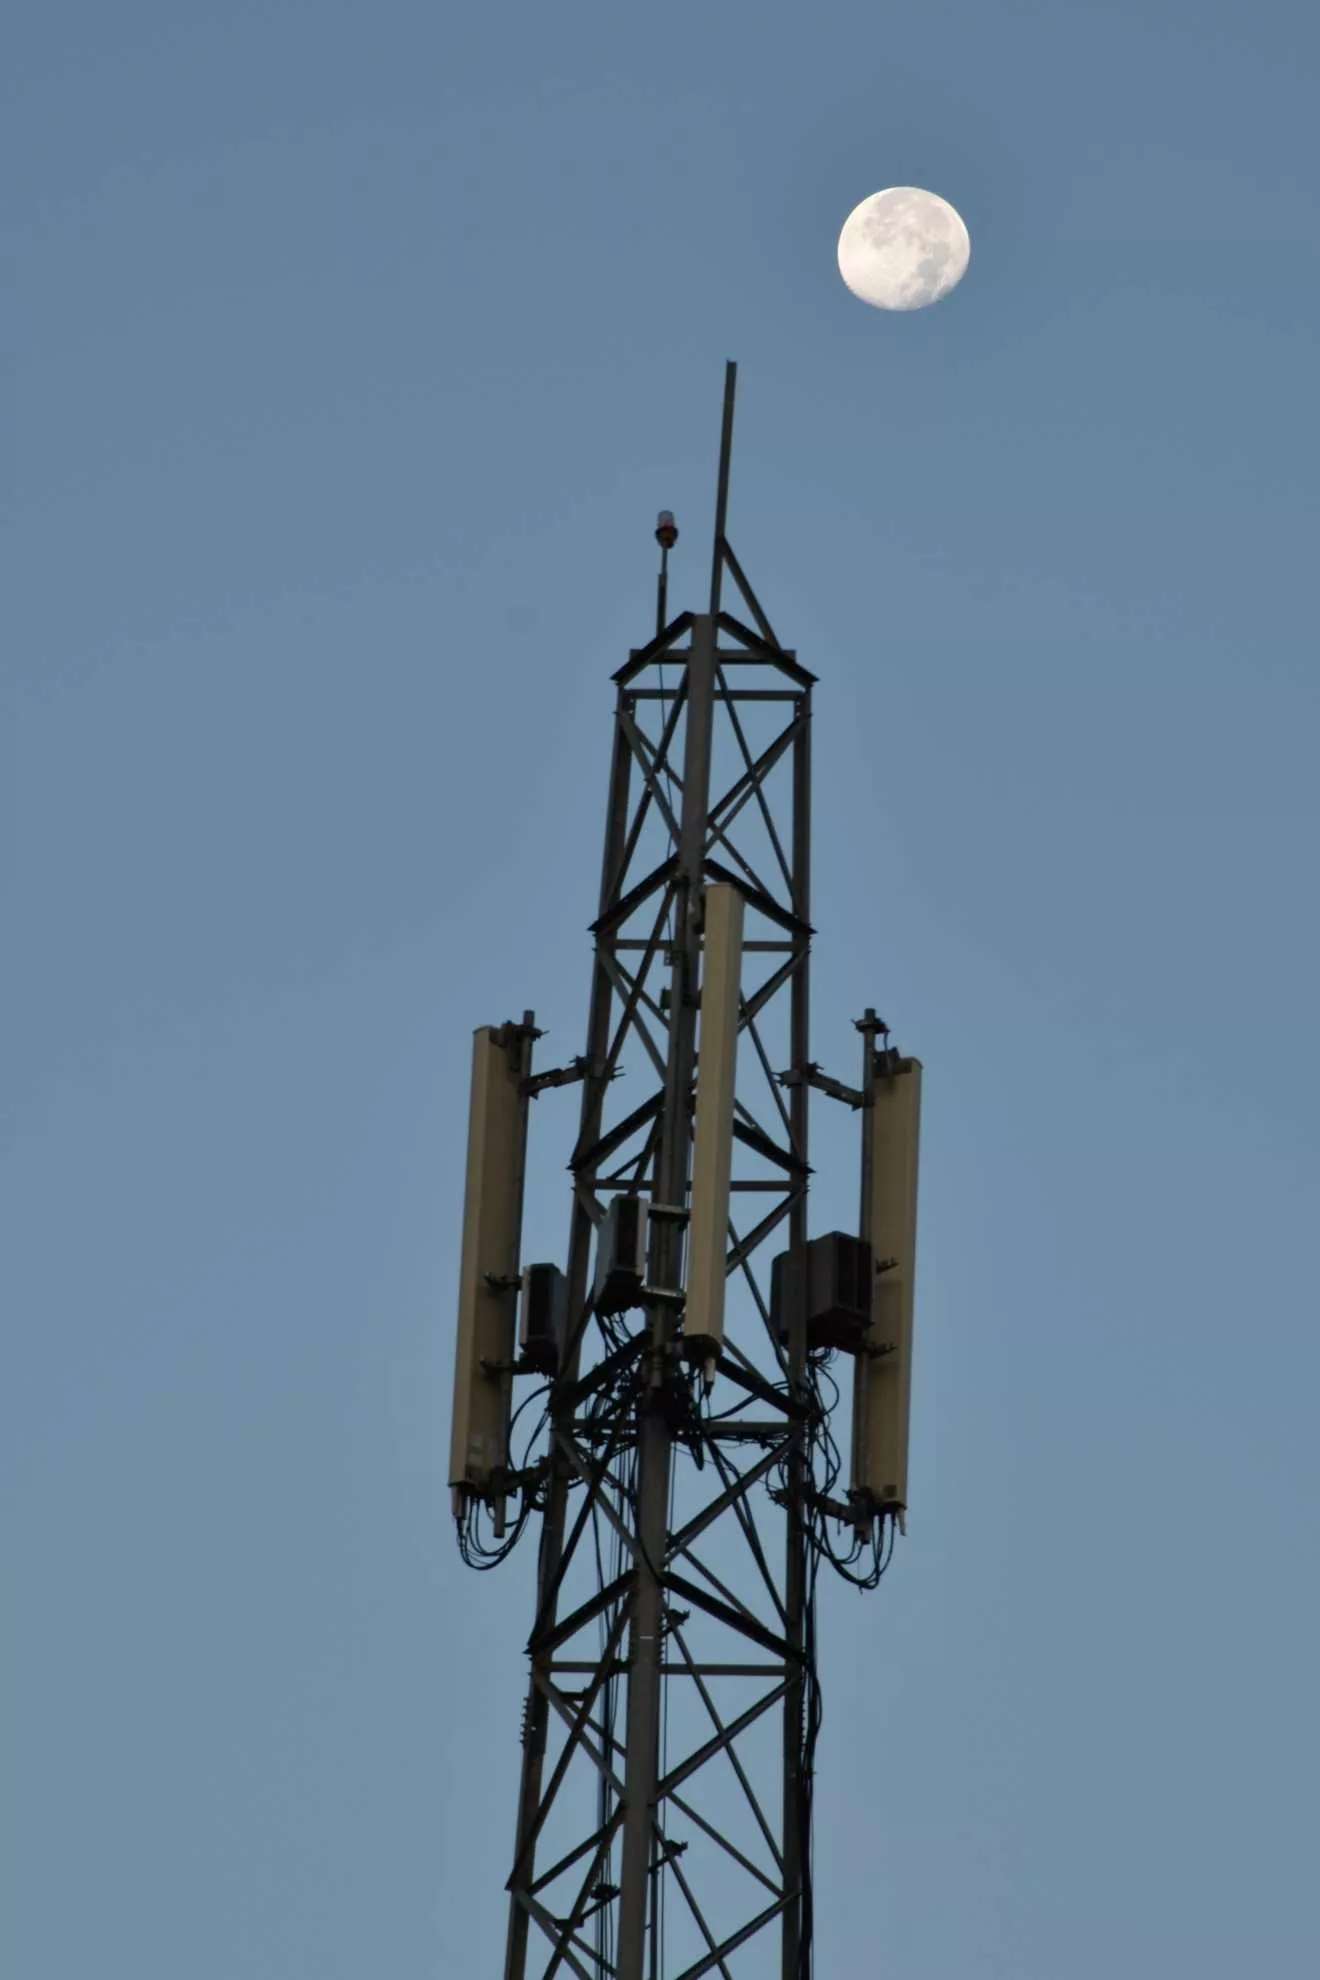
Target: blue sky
point(348, 354)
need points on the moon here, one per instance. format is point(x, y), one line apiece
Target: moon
point(903, 249)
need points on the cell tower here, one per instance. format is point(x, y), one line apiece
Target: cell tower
point(664, 1406)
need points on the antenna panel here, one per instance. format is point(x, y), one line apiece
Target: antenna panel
point(488, 1278)
point(883, 1380)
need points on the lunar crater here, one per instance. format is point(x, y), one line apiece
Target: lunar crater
point(903, 249)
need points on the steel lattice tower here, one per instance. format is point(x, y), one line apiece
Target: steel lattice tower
point(683, 1464)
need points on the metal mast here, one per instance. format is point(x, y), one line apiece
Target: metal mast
point(664, 1819)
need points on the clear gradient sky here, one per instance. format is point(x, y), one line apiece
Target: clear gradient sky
point(348, 351)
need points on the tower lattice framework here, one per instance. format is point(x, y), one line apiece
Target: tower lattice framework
point(687, 1485)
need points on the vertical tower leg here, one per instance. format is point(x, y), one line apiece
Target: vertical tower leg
point(644, 1680)
point(537, 1713)
point(797, 1784)
point(654, 1428)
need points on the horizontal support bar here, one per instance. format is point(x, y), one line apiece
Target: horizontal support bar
point(730, 694)
point(760, 655)
point(742, 1433)
point(749, 948)
point(619, 1668)
point(812, 1075)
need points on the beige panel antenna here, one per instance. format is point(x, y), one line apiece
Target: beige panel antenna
point(488, 1276)
point(883, 1391)
point(712, 1155)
